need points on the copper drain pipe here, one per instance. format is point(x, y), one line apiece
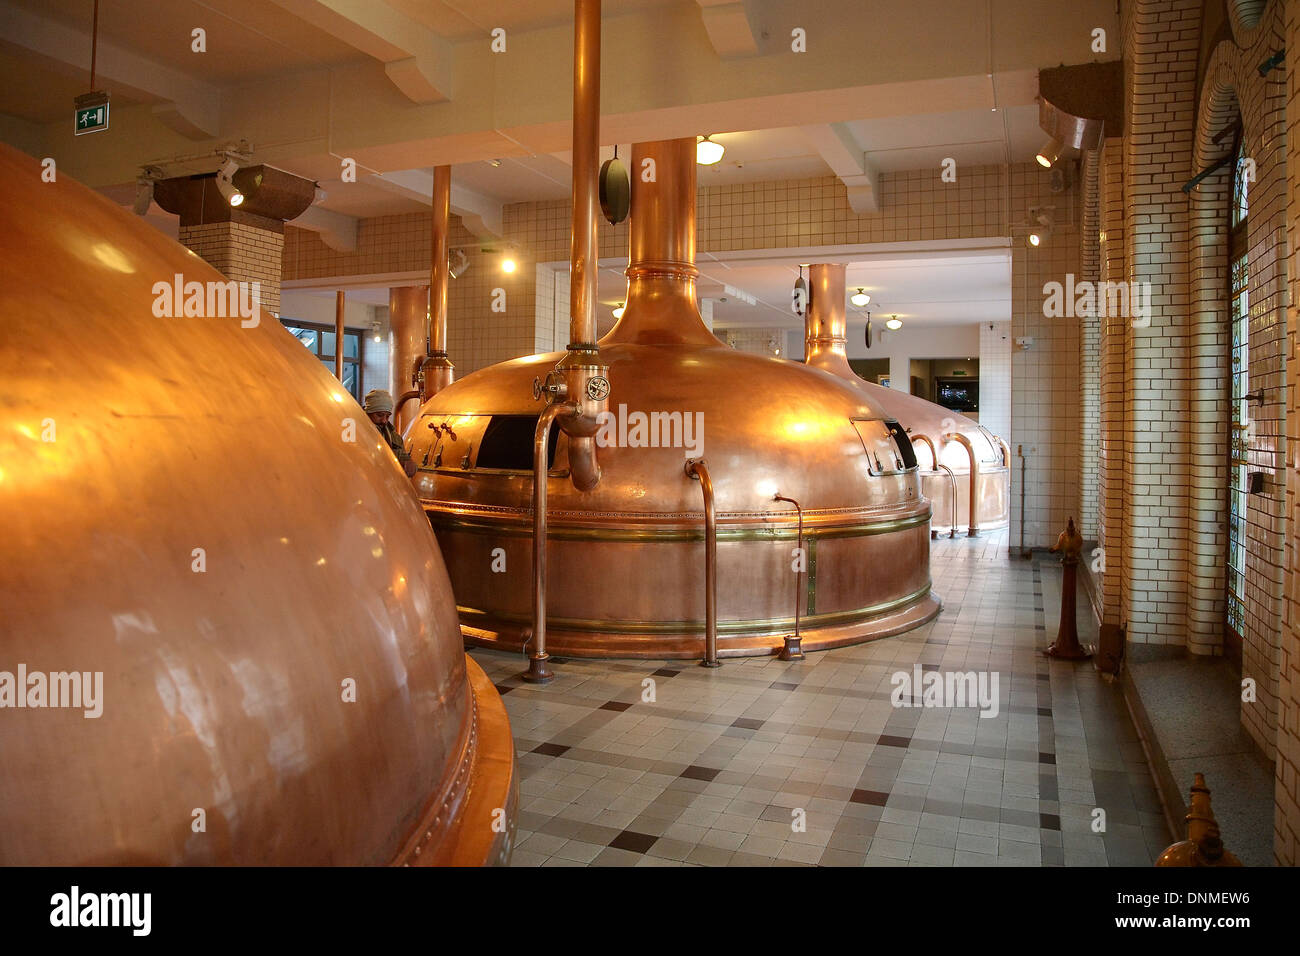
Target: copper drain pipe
point(793, 650)
point(952, 481)
point(974, 477)
point(538, 671)
point(698, 469)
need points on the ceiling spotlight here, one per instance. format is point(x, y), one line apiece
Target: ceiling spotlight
point(894, 324)
point(1050, 153)
point(225, 182)
point(457, 263)
point(618, 312)
point(708, 152)
point(143, 196)
point(507, 265)
point(860, 298)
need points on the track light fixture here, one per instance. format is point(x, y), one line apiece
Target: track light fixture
point(226, 182)
point(1050, 153)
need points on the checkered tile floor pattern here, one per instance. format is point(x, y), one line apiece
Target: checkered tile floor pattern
point(765, 763)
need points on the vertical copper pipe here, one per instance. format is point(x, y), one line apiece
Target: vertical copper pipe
point(974, 478)
point(825, 324)
point(793, 650)
point(338, 334)
point(662, 308)
point(538, 671)
point(408, 310)
point(583, 250)
point(698, 469)
point(438, 372)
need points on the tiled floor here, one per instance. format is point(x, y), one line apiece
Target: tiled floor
point(762, 763)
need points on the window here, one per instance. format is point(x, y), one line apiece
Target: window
point(319, 340)
point(1238, 385)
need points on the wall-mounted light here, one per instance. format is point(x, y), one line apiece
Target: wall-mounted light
point(1040, 225)
point(226, 184)
point(1050, 153)
point(507, 264)
point(860, 298)
point(707, 152)
point(374, 330)
point(618, 312)
point(894, 324)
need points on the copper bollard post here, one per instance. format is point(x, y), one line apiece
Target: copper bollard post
point(698, 469)
point(793, 649)
point(1066, 646)
point(1203, 846)
point(538, 670)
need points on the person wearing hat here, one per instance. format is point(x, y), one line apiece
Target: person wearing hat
point(379, 406)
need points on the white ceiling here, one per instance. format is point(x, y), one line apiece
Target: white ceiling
point(935, 288)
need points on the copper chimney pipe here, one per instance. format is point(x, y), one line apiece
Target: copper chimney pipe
point(408, 308)
point(662, 308)
point(436, 370)
point(825, 324)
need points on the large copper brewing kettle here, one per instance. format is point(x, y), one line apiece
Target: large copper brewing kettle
point(949, 445)
point(185, 515)
point(627, 555)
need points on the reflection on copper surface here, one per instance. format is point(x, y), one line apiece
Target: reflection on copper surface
point(824, 347)
point(225, 680)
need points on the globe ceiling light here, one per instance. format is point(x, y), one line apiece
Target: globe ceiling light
point(707, 152)
point(618, 311)
point(894, 324)
point(860, 298)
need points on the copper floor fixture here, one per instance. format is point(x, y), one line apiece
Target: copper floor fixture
point(965, 468)
point(625, 562)
point(210, 524)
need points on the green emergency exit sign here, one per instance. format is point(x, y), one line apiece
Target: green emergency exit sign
point(92, 113)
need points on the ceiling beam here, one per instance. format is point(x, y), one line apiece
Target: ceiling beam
point(336, 230)
point(187, 106)
point(729, 29)
point(418, 62)
point(840, 150)
point(480, 214)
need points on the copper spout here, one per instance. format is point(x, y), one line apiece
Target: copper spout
point(974, 478)
point(436, 368)
point(538, 671)
point(952, 481)
point(698, 469)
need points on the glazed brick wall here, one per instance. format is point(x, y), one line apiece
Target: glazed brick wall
point(241, 252)
point(1286, 843)
point(1112, 359)
point(1090, 348)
